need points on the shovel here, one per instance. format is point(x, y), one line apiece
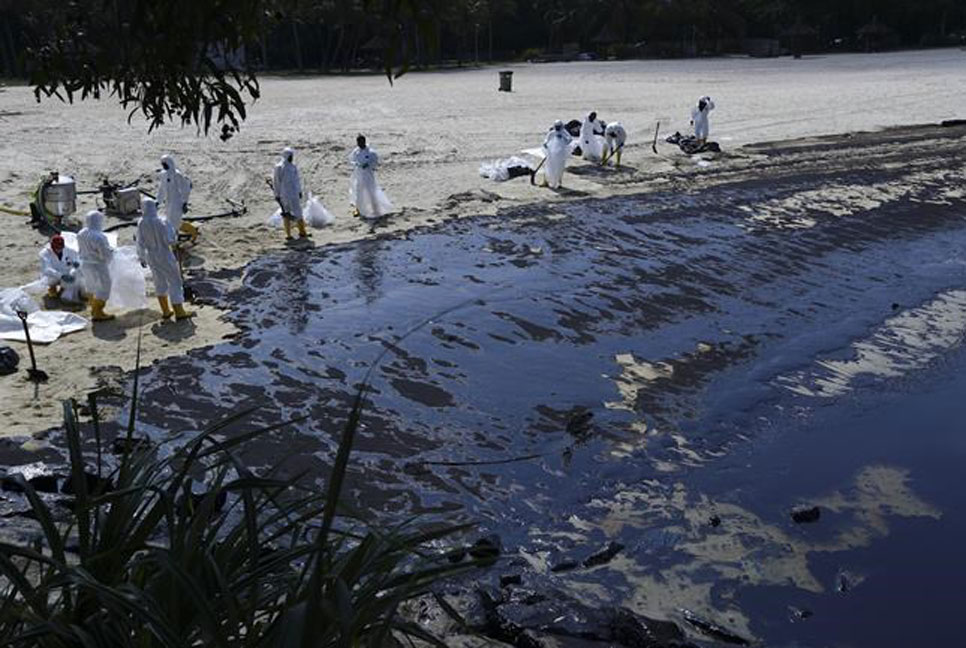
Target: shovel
point(533, 174)
point(33, 374)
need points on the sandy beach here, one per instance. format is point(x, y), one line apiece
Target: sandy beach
point(632, 383)
point(433, 130)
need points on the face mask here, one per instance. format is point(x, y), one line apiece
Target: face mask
point(164, 165)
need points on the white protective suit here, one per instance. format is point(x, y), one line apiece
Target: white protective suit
point(288, 185)
point(364, 192)
point(174, 189)
point(154, 240)
point(95, 256)
point(557, 148)
point(614, 138)
point(699, 117)
point(591, 144)
point(61, 271)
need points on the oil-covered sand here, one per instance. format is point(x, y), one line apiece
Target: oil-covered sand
point(674, 368)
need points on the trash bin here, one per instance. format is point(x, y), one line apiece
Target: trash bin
point(506, 81)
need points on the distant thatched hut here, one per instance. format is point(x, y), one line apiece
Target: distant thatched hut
point(605, 39)
point(799, 37)
point(874, 35)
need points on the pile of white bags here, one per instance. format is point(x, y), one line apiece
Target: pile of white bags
point(314, 212)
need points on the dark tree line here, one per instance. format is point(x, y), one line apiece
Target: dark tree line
point(339, 35)
point(196, 61)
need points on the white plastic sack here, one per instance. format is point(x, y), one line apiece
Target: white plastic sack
point(45, 326)
point(499, 170)
point(275, 220)
point(316, 215)
point(314, 212)
point(128, 282)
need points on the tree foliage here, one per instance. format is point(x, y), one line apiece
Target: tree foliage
point(195, 61)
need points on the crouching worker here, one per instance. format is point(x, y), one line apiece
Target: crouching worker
point(288, 193)
point(155, 239)
point(59, 266)
point(95, 259)
point(614, 139)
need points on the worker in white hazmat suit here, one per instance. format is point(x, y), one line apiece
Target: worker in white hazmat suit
point(288, 193)
point(591, 144)
point(155, 238)
point(700, 121)
point(95, 258)
point(59, 266)
point(174, 189)
point(614, 139)
point(366, 196)
point(556, 146)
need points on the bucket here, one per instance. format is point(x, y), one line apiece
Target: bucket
point(127, 201)
point(59, 195)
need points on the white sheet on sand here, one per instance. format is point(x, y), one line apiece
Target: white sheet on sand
point(45, 326)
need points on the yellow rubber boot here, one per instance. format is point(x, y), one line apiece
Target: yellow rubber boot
point(287, 224)
point(97, 311)
point(190, 230)
point(619, 151)
point(302, 232)
point(181, 314)
point(166, 311)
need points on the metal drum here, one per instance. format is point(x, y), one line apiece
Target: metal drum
point(127, 201)
point(59, 195)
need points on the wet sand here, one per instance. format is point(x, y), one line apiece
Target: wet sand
point(433, 131)
point(667, 344)
point(628, 368)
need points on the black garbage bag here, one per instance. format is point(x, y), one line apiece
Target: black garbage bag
point(9, 360)
point(690, 145)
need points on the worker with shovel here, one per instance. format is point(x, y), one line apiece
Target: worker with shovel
point(287, 186)
point(556, 147)
point(155, 239)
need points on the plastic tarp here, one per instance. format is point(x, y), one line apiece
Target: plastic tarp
point(45, 326)
point(128, 292)
point(128, 280)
